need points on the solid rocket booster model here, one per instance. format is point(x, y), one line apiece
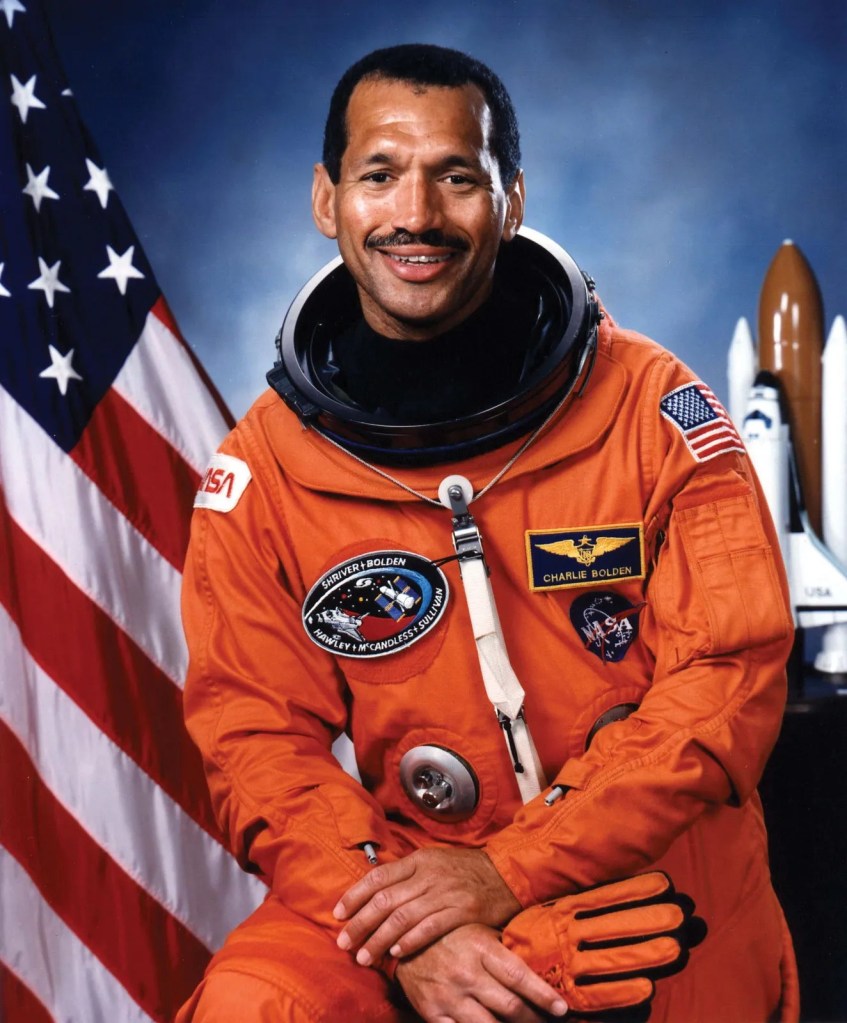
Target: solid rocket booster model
point(788, 401)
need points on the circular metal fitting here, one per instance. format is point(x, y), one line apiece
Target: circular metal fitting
point(439, 782)
point(464, 485)
point(617, 713)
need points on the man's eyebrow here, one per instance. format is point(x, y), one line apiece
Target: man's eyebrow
point(451, 160)
point(375, 158)
point(459, 160)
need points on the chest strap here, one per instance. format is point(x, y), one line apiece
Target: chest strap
point(502, 685)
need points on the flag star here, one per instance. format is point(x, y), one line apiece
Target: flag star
point(23, 97)
point(3, 292)
point(37, 187)
point(49, 281)
point(60, 369)
point(120, 268)
point(99, 182)
point(10, 9)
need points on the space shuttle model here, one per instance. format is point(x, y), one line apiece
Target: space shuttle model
point(788, 399)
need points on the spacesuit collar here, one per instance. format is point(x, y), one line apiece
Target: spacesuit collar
point(313, 462)
point(565, 327)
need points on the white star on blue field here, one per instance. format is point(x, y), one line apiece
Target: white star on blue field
point(670, 148)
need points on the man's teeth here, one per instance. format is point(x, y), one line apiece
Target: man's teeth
point(420, 259)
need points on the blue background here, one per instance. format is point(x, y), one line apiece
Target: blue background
point(669, 147)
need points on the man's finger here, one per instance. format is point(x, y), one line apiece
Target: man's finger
point(399, 908)
point(410, 932)
point(383, 936)
point(513, 973)
point(360, 893)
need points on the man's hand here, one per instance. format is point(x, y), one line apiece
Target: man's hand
point(469, 977)
point(406, 905)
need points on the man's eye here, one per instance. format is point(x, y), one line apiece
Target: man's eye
point(377, 177)
point(459, 179)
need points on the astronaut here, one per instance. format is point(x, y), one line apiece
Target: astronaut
point(562, 667)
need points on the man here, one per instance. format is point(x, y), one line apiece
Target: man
point(613, 594)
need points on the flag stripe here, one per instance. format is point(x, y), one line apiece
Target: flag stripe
point(77, 878)
point(175, 402)
point(59, 626)
point(140, 827)
point(17, 1003)
point(161, 310)
point(107, 423)
point(51, 961)
point(90, 540)
point(698, 415)
point(130, 462)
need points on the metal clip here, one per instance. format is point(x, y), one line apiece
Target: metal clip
point(455, 493)
point(505, 723)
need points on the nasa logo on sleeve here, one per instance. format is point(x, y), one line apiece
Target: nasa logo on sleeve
point(223, 483)
point(607, 624)
point(375, 604)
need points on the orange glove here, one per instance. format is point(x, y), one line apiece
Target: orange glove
point(604, 947)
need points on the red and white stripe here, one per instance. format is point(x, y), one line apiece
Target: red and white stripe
point(114, 884)
point(714, 438)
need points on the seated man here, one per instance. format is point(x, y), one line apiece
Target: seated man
point(517, 554)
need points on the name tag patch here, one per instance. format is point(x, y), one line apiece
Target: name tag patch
point(588, 555)
point(223, 484)
point(375, 604)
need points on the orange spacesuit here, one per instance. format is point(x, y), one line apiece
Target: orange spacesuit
point(644, 612)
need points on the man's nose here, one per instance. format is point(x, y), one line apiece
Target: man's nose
point(417, 206)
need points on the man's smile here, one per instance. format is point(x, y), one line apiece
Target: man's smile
point(400, 257)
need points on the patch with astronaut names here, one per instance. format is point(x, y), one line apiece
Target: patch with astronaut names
point(590, 555)
point(607, 623)
point(375, 604)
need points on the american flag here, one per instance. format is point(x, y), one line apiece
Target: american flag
point(701, 419)
point(114, 884)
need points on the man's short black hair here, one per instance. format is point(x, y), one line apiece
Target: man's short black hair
point(424, 64)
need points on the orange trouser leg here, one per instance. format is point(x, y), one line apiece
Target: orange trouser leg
point(279, 968)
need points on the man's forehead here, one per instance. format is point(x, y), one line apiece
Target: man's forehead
point(382, 105)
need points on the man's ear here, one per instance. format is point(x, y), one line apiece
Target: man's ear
point(515, 198)
point(323, 202)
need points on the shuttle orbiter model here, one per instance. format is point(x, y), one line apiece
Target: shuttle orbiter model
point(788, 399)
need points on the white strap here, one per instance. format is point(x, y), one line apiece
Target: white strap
point(502, 685)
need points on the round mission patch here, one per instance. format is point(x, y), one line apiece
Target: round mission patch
point(375, 604)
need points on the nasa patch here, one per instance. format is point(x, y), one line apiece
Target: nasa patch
point(375, 604)
point(606, 622)
point(223, 483)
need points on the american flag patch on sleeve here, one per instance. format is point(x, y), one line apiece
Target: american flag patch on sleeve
point(702, 420)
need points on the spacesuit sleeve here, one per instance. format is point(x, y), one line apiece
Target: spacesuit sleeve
point(717, 621)
point(264, 704)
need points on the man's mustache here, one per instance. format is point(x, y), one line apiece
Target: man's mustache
point(433, 238)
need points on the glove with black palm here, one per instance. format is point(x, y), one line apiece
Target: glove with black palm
point(605, 947)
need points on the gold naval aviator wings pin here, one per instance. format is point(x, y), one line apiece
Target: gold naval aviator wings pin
point(603, 554)
point(586, 552)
